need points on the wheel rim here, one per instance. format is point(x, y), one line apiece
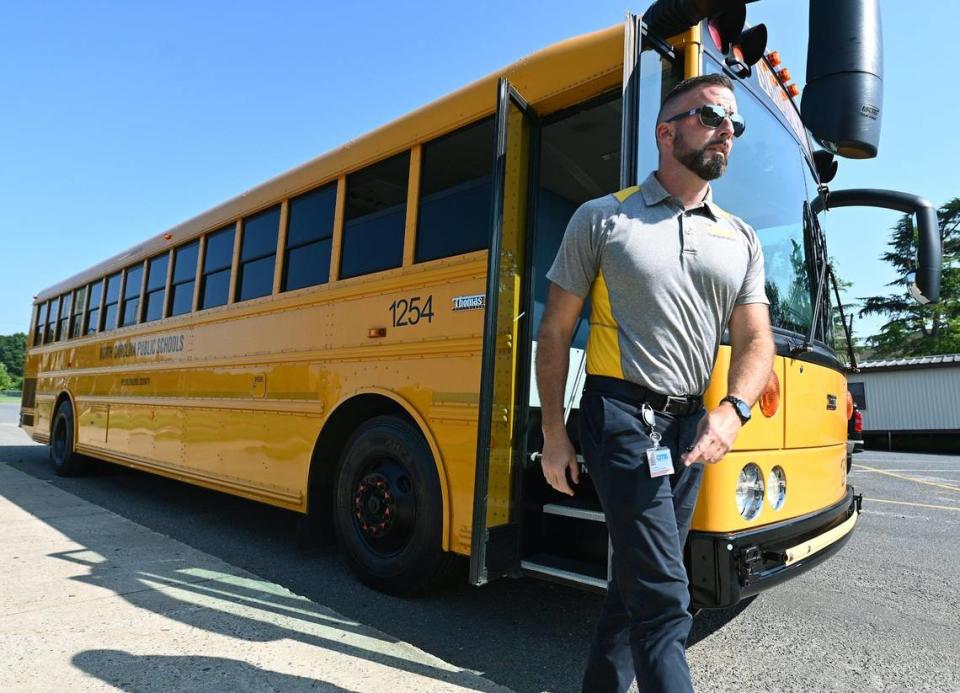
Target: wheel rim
point(384, 506)
point(60, 440)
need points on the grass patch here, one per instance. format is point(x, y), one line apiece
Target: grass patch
point(6, 399)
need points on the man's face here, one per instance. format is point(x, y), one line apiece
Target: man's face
point(703, 150)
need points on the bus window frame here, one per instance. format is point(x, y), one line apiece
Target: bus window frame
point(242, 264)
point(171, 284)
point(76, 316)
point(200, 289)
point(38, 326)
point(408, 152)
point(86, 329)
point(49, 334)
point(124, 299)
point(416, 184)
point(284, 248)
point(104, 304)
point(60, 336)
point(145, 293)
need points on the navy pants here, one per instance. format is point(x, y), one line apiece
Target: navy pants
point(644, 625)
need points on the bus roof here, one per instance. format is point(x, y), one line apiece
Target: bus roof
point(593, 62)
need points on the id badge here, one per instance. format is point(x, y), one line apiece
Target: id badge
point(659, 461)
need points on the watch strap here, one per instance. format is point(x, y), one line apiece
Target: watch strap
point(738, 404)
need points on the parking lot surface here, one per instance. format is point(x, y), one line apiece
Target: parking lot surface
point(884, 614)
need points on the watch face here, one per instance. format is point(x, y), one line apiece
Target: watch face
point(743, 411)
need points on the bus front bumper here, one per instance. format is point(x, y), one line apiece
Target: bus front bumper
point(725, 568)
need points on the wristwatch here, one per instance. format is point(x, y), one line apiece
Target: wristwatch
point(739, 406)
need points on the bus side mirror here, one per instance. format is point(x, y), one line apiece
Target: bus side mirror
point(841, 103)
point(926, 285)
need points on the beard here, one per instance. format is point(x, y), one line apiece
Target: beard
point(706, 165)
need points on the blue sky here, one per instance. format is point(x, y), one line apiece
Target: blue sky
point(120, 120)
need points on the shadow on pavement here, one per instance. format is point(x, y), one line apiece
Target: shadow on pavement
point(524, 634)
point(136, 673)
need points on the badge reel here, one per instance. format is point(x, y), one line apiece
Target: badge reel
point(659, 460)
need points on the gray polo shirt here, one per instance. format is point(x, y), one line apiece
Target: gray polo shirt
point(663, 282)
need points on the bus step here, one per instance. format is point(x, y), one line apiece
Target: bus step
point(574, 511)
point(566, 571)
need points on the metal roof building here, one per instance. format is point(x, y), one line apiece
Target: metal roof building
point(909, 400)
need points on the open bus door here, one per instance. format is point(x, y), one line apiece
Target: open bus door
point(501, 428)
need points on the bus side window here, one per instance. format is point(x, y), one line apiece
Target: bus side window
point(306, 259)
point(53, 310)
point(111, 300)
point(374, 217)
point(40, 325)
point(217, 260)
point(130, 311)
point(92, 323)
point(156, 284)
point(66, 307)
point(76, 318)
point(184, 278)
point(258, 254)
point(455, 184)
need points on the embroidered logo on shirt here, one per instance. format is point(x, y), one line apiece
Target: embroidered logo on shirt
point(721, 231)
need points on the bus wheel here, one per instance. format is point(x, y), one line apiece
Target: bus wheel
point(389, 509)
point(66, 461)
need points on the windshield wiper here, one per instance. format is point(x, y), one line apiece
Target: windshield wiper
point(807, 344)
point(843, 319)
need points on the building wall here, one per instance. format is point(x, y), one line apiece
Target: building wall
point(911, 400)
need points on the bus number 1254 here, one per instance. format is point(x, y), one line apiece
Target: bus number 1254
point(408, 311)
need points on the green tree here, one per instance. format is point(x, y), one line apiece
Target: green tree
point(13, 352)
point(6, 382)
point(913, 329)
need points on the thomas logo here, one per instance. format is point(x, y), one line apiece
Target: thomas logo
point(475, 302)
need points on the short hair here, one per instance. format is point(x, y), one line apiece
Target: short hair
point(688, 85)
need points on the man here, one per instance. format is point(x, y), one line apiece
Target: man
point(667, 271)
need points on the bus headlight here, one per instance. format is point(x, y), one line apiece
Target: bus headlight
point(776, 487)
point(750, 491)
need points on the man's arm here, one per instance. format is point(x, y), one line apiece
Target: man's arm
point(553, 357)
point(751, 361)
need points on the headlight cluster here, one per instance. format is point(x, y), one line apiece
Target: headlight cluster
point(751, 490)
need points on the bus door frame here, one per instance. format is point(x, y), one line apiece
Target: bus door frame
point(496, 549)
point(495, 537)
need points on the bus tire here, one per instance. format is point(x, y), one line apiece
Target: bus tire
point(66, 461)
point(389, 511)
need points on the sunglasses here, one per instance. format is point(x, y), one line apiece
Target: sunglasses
point(712, 116)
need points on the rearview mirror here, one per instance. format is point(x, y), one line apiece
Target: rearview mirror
point(841, 103)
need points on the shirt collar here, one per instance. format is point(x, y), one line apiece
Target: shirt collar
point(654, 193)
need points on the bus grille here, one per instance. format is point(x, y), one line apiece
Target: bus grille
point(29, 398)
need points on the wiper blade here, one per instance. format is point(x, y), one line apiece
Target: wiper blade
point(807, 344)
point(854, 368)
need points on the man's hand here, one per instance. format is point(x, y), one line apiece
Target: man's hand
point(716, 434)
point(558, 454)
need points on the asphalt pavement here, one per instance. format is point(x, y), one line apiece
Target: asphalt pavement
point(126, 581)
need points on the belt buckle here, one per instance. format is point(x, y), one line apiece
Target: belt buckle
point(681, 404)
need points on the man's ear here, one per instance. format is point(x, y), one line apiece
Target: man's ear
point(664, 133)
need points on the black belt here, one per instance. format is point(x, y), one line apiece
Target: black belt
point(682, 405)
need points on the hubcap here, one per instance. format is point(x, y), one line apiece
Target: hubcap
point(384, 506)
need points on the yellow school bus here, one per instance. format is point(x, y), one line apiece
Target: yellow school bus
point(353, 340)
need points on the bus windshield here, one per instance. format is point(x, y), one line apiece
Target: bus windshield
point(765, 186)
